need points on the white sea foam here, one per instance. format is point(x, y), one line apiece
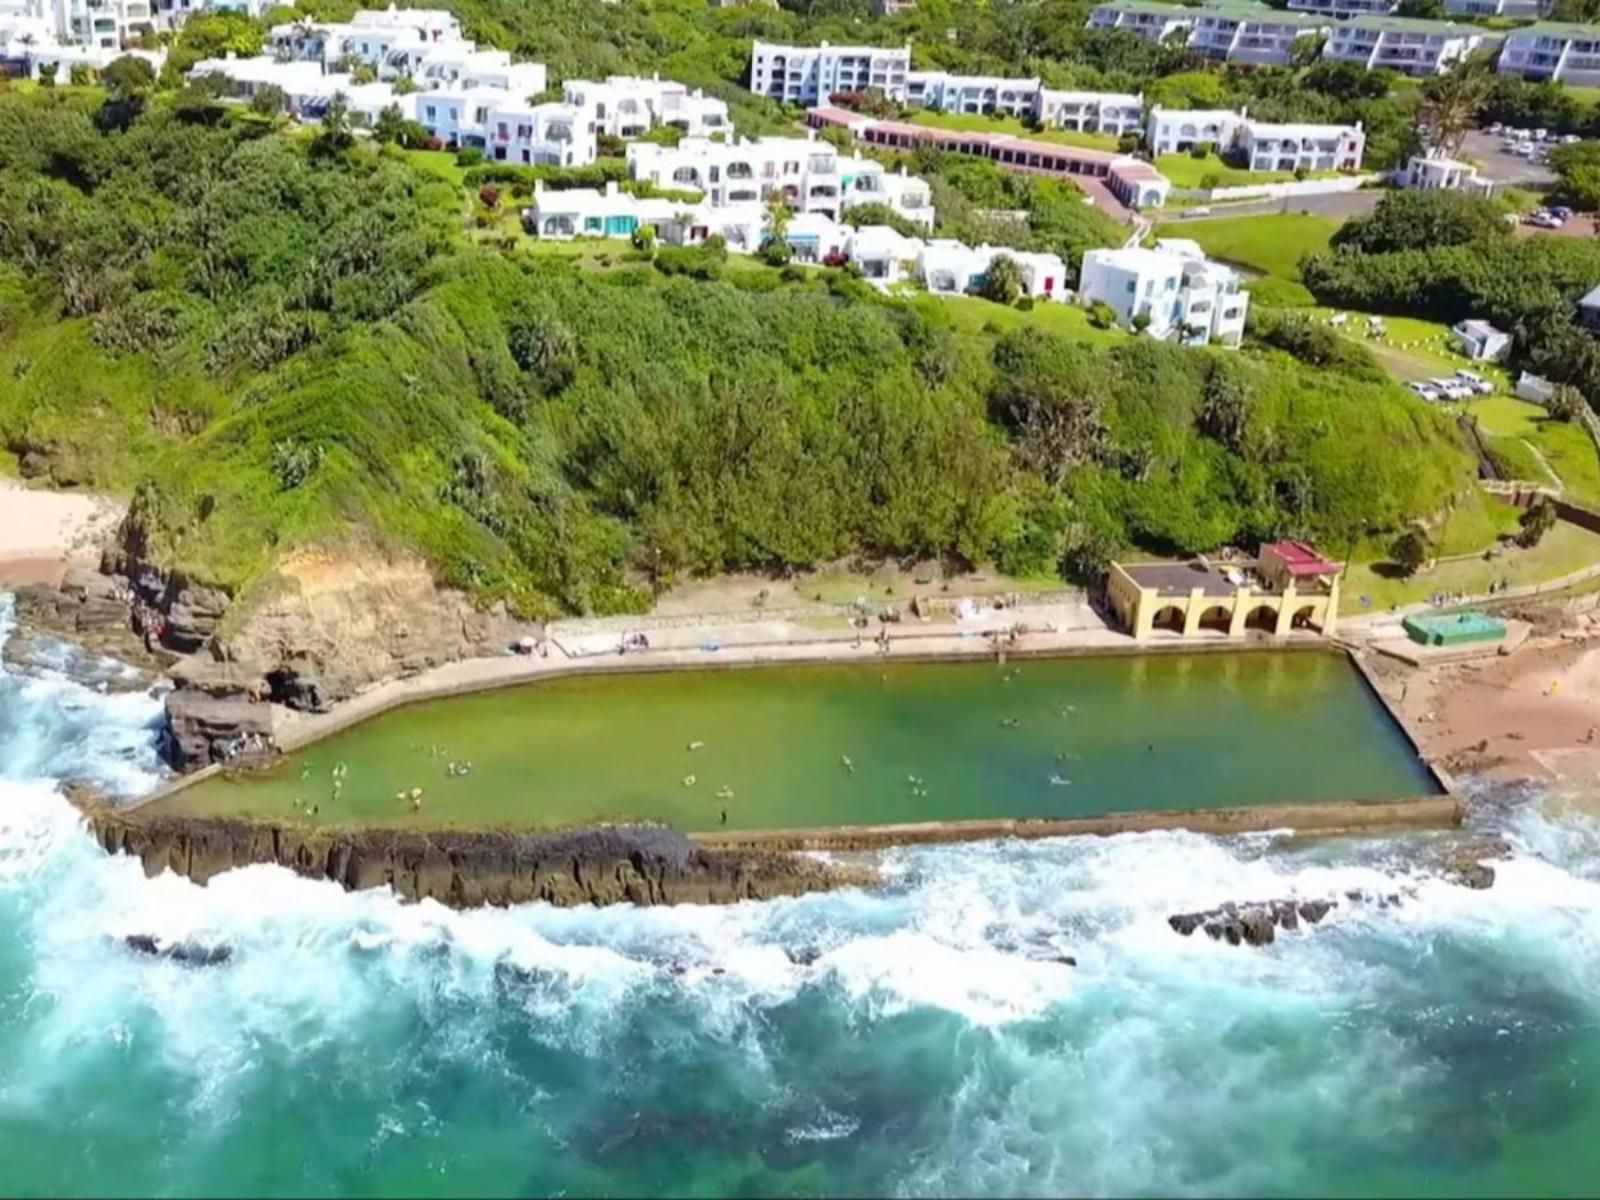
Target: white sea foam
point(1142, 1068)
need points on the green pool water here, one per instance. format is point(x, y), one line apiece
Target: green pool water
point(924, 741)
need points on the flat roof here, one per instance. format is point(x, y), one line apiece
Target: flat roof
point(1560, 29)
point(1410, 25)
point(1301, 559)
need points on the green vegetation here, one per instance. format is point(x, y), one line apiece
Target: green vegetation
point(1268, 245)
point(1566, 550)
point(1003, 124)
point(1410, 220)
point(1565, 446)
point(274, 340)
point(1210, 171)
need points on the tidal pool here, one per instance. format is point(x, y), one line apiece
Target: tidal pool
point(866, 743)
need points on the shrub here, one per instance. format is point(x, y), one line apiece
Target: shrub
point(469, 156)
point(1024, 304)
point(489, 196)
point(1536, 521)
point(1102, 315)
point(1410, 550)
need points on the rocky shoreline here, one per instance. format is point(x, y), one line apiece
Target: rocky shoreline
point(633, 864)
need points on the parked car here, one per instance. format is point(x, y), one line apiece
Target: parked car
point(1571, 139)
point(1496, 128)
point(1202, 211)
point(1562, 211)
point(1426, 390)
point(1476, 382)
point(1450, 389)
point(1539, 135)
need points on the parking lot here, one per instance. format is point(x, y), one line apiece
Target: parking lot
point(1497, 163)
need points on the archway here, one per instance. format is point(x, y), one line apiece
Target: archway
point(1304, 616)
point(1217, 619)
point(1262, 618)
point(1169, 618)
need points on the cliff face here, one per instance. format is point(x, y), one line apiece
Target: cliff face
point(320, 628)
point(604, 865)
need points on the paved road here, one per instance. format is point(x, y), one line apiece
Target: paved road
point(1340, 206)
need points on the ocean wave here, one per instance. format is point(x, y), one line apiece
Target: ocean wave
point(928, 1037)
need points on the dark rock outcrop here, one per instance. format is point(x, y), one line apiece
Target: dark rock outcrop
point(1252, 924)
point(87, 602)
point(203, 728)
point(193, 953)
point(1256, 923)
point(637, 864)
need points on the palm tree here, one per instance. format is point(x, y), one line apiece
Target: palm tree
point(1451, 104)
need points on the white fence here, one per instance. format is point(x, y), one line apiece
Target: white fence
point(1279, 191)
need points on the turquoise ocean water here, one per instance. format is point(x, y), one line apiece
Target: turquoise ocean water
point(918, 1040)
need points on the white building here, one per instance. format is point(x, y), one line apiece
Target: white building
point(951, 268)
point(626, 106)
point(811, 176)
point(1436, 173)
point(537, 134)
point(305, 85)
point(560, 215)
point(1528, 10)
point(972, 93)
point(1185, 297)
point(810, 74)
point(884, 256)
point(1553, 50)
point(1149, 20)
point(1264, 146)
point(1343, 9)
point(1175, 130)
point(1274, 147)
point(392, 41)
point(1480, 341)
point(100, 24)
point(1411, 47)
point(1252, 33)
point(1112, 113)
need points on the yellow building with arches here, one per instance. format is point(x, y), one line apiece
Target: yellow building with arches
point(1288, 587)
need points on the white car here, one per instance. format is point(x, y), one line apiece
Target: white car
point(1476, 382)
point(1546, 221)
point(1570, 139)
point(1452, 389)
point(1426, 390)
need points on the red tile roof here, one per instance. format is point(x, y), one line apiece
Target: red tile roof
point(1301, 559)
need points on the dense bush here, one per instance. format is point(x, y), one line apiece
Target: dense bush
point(271, 347)
point(1422, 220)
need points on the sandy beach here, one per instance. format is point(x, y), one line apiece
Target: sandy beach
point(1531, 715)
point(42, 533)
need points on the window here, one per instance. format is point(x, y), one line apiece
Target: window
point(1132, 287)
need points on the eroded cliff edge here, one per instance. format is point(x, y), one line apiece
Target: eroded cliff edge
point(635, 864)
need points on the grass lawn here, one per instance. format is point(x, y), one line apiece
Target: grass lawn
point(1565, 447)
point(969, 314)
point(978, 122)
point(1564, 550)
point(1187, 171)
point(1268, 245)
point(441, 164)
point(592, 254)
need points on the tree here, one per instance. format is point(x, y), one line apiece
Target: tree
point(47, 74)
point(1410, 550)
point(129, 77)
point(644, 240)
point(269, 100)
point(390, 125)
point(1413, 220)
point(1004, 281)
point(1565, 403)
point(79, 75)
point(1536, 521)
point(335, 136)
point(1452, 102)
point(404, 85)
